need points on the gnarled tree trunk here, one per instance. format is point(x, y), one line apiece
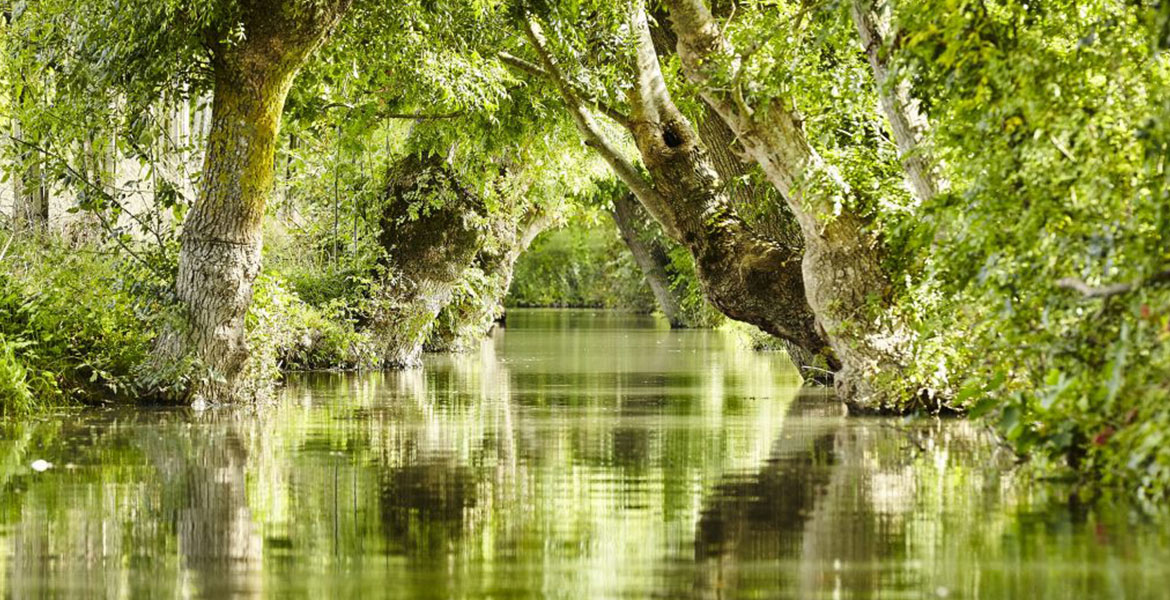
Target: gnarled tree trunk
point(756, 201)
point(432, 229)
point(842, 261)
point(649, 254)
point(470, 317)
point(221, 239)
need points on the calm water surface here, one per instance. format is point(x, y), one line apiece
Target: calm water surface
point(577, 455)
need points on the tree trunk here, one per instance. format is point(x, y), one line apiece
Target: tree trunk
point(842, 261)
point(902, 112)
point(470, 317)
point(30, 200)
point(221, 239)
point(649, 255)
point(760, 205)
point(745, 276)
point(31, 195)
point(431, 235)
point(95, 166)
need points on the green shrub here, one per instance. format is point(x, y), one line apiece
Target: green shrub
point(287, 333)
point(83, 321)
point(15, 392)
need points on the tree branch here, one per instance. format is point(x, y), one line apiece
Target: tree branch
point(535, 70)
point(593, 136)
point(418, 116)
point(1116, 289)
point(105, 195)
point(522, 65)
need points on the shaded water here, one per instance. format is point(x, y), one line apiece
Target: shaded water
point(578, 455)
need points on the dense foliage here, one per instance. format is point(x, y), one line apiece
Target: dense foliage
point(582, 265)
point(1051, 121)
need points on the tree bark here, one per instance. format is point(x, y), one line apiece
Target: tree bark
point(907, 122)
point(745, 276)
point(758, 203)
point(431, 233)
point(221, 240)
point(842, 261)
point(649, 254)
point(469, 318)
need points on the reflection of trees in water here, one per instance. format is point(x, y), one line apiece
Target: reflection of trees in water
point(204, 474)
point(848, 508)
point(760, 516)
point(440, 483)
point(423, 506)
point(136, 488)
point(410, 475)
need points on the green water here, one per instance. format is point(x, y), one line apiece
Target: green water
point(577, 455)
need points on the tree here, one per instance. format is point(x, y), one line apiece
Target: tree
point(431, 231)
point(649, 254)
point(221, 238)
point(745, 276)
point(842, 265)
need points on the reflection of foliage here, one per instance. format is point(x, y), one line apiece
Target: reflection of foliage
point(458, 484)
point(423, 506)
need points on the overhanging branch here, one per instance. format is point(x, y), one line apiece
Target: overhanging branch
point(535, 70)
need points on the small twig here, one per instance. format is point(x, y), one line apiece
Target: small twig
point(1106, 291)
point(1061, 148)
point(7, 243)
point(727, 23)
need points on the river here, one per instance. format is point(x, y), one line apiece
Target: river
point(577, 454)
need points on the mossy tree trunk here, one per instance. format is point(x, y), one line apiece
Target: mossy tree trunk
point(432, 230)
point(842, 273)
point(221, 239)
point(471, 315)
point(649, 254)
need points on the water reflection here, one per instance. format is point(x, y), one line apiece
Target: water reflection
point(576, 455)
